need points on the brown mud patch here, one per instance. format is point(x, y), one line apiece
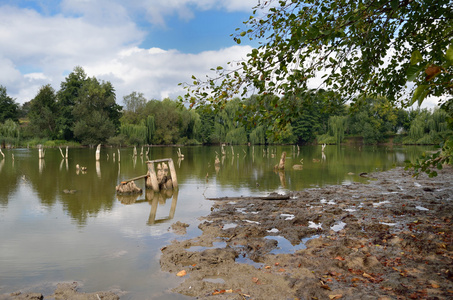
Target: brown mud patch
point(388, 239)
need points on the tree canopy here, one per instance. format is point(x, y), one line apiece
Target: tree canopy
point(8, 107)
point(399, 49)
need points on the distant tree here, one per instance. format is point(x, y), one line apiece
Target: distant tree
point(24, 109)
point(44, 113)
point(134, 102)
point(67, 97)
point(96, 113)
point(9, 109)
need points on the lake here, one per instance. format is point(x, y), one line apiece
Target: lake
point(104, 241)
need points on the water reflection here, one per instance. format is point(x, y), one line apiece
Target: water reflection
point(154, 199)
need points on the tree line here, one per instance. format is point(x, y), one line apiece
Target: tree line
point(84, 112)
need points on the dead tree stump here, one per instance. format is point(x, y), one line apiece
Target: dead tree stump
point(128, 188)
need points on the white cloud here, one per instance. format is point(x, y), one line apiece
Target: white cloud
point(101, 37)
point(156, 72)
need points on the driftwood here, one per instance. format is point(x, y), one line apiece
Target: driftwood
point(270, 197)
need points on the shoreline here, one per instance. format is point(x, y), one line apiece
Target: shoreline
point(390, 238)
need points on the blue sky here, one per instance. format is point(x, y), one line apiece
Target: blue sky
point(147, 46)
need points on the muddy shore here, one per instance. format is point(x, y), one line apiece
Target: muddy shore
point(388, 239)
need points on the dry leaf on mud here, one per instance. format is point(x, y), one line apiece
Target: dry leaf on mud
point(255, 280)
point(181, 273)
point(218, 292)
point(339, 258)
point(435, 285)
point(333, 297)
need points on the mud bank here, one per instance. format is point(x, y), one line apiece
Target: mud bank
point(388, 239)
point(63, 291)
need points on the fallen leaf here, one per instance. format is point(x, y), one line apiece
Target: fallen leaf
point(181, 273)
point(267, 267)
point(255, 279)
point(367, 276)
point(339, 258)
point(281, 270)
point(333, 297)
point(435, 285)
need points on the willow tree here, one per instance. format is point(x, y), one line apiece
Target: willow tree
point(398, 49)
point(337, 127)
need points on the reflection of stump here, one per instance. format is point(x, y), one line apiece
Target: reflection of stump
point(281, 165)
point(128, 188)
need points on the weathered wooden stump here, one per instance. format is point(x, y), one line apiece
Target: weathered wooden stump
point(128, 188)
point(161, 180)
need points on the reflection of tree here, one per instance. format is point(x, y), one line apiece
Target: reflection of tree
point(9, 178)
point(154, 199)
point(93, 194)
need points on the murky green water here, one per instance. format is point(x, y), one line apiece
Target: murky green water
point(93, 237)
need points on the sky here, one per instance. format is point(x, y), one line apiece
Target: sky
point(145, 46)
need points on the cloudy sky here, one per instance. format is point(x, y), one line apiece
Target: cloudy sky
point(147, 46)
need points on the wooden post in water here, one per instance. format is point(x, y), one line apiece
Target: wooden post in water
point(41, 152)
point(98, 152)
point(171, 165)
point(152, 179)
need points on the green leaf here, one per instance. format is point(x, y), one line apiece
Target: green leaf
point(395, 4)
point(243, 33)
point(449, 55)
point(416, 57)
point(413, 71)
point(419, 94)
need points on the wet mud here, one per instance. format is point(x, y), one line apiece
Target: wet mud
point(64, 291)
point(388, 239)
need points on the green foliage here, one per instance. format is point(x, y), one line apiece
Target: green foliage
point(373, 118)
point(326, 139)
point(337, 127)
point(94, 128)
point(96, 112)
point(9, 132)
point(9, 109)
point(43, 113)
point(118, 140)
point(135, 134)
point(258, 135)
point(237, 136)
point(151, 129)
point(370, 48)
point(70, 89)
point(428, 128)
